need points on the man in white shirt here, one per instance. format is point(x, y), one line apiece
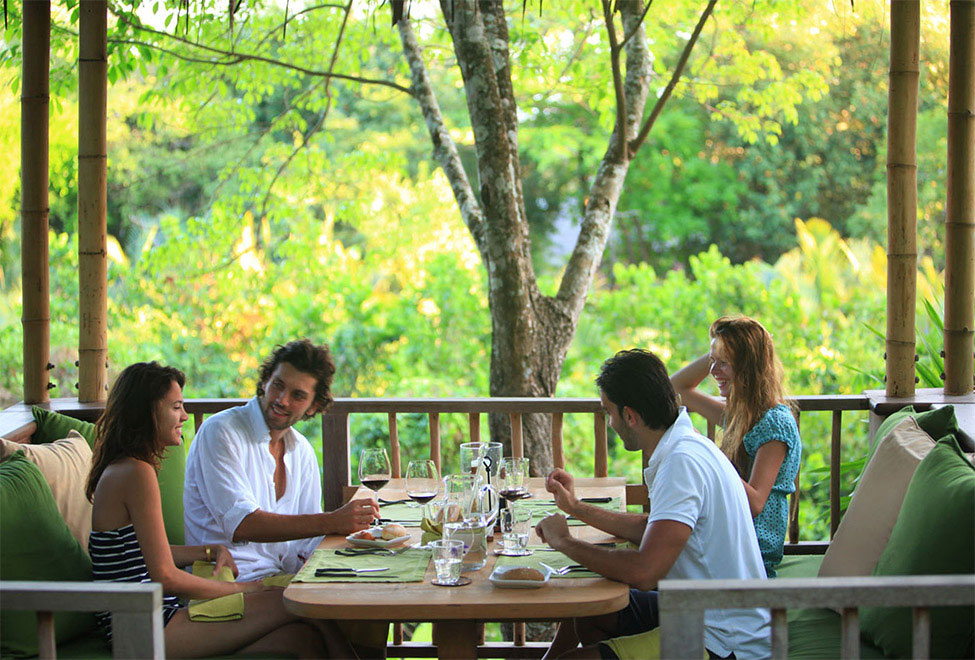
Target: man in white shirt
point(253, 482)
point(699, 526)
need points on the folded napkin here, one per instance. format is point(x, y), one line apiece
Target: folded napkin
point(431, 531)
point(410, 565)
point(224, 608)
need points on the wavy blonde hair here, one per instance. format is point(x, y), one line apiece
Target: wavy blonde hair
point(756, 382)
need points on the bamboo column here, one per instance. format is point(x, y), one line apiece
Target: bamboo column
point(902, 196)
point(92, 178)
point(960, 220)
point(34, 213)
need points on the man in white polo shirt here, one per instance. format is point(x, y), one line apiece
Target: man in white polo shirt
point(699, 526)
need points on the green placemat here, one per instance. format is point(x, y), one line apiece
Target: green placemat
point(407, 566)
point(402, 513)
point(543, 554)
point(544, 507)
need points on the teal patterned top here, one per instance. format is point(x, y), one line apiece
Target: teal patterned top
point(777, 424)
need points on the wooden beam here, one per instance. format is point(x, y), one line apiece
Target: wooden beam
point(960, 204)
point(34, 214)
point(92, 182)
point(905, 16)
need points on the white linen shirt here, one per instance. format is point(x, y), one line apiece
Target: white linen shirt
point(692, 482)
point(230, 474)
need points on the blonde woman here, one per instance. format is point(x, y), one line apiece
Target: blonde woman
point(760, 433)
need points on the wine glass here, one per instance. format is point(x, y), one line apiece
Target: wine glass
point(374, 471)
point(422, 481)
point(514, 479)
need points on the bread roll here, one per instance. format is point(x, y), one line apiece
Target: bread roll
point(393, 531)
point(523, 573)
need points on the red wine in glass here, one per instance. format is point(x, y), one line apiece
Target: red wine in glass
point(422, 498)
point(512, 494)
point(375, 484)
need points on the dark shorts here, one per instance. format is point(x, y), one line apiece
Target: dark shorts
point(641, 615)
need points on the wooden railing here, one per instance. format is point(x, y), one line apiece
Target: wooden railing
point(683, 603)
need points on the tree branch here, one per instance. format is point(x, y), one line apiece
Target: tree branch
point(674, 78)
point(235, 57)
point(614, 56)
point(608, 182)
point(444, 148)
point(321, 118)
point(626, 38)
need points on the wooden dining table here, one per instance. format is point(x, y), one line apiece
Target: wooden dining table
point(456, 611)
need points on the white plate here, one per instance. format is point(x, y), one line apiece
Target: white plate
point(378, 543)
point(498, 581)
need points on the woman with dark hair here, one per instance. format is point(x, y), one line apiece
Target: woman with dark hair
point(143, 415)
point(760, 433)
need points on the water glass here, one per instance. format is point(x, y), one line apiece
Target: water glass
point(447, 557)
point(473, 536)
point(515, 528)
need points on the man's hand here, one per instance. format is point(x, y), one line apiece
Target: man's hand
point(562, 485)
point(552, 529)
point(352, 517)
point(223, 558)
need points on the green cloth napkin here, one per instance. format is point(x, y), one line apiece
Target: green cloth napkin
point(541, 508)
point(553, 559)
point(431, 531)
point(409, 565)
point(224, 608)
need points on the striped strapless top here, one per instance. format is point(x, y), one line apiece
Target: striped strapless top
point(116, 557)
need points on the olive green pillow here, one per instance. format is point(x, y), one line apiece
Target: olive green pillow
point(53, 426)
point(934, 535)
point(36, 544)
point(937, 422)
point(172, 470)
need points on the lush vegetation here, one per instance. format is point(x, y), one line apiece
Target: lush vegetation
point(248, 206)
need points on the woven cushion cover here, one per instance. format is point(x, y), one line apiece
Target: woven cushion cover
point(35, 544)
point(65, 464)
point(866, 526)
point(171, 469)
point(934, 535)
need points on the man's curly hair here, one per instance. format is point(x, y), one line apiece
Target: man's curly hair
point(307, 358)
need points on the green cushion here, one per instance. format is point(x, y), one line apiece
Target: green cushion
point(35, 544)
point(53, 426)
point(937, 422)
point(171, 473)
point(934, 535)
point(815, 633)
point(799, 566)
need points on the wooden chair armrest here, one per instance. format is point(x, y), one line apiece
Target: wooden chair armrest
point(137, 627)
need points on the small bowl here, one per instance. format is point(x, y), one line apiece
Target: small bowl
point(498, 580)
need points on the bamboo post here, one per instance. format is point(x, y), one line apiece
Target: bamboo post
point(902, 196)
point(92, 178)
point(960, 205)
point(34, 212)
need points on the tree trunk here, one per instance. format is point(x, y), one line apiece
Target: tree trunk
point(531, 333)
point(902, 196)
point(34, 180)
point(960, 216)
point(92, 182)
